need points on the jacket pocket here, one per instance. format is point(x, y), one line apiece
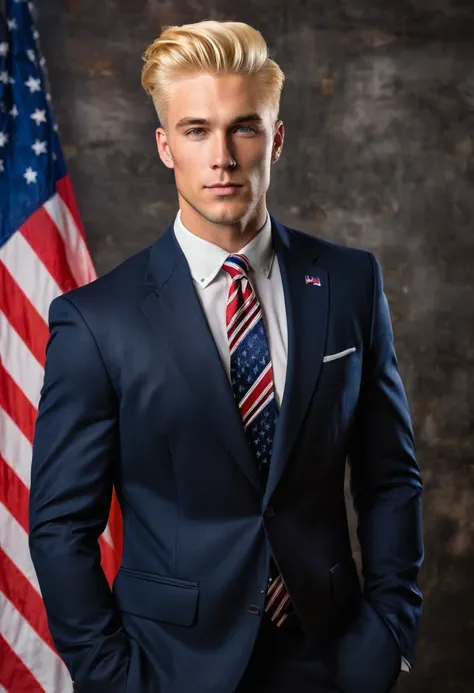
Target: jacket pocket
point(339, 371)
point(157, 597)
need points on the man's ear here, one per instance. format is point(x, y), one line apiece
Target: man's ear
point(278, 139)
point(163, 148)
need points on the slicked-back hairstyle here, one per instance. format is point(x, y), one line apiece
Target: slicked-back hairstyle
point(212, 47)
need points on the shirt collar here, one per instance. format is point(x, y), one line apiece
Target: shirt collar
point(205, 259)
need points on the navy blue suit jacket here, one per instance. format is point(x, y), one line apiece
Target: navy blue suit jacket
point(135, 395)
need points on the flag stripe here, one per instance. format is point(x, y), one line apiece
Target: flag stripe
point(109, 560)
point(29, 273)
point(22, 315)
point(16, 405)
point(14, 541)
point(64, 188)
point(19, 362)
point(24, 598)
point(15, 448)
point(78, 258)
point(15, 676)
point(16, 498)
point(115, 526)
point(49, 670)
point(49, 247)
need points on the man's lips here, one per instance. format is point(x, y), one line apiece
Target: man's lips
point(224, 185)
point(224, 189)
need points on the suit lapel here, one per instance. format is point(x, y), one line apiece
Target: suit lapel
point(307, 317)
point(174, 310)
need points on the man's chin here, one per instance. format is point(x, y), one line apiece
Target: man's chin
point(220, 211)
point(225, 213)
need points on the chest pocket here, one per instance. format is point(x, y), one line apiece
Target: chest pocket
point(339, 368)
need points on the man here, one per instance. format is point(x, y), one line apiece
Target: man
point(219, 379)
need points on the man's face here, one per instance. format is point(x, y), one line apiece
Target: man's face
point(218, 131)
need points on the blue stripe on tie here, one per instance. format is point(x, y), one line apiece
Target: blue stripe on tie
point(240, 262)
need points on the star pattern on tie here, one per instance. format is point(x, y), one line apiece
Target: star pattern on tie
point(248, 364)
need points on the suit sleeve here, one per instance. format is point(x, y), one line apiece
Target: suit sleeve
point(386, 484)
point(74, 453)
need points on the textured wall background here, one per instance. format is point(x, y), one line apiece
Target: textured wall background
point(379, 110)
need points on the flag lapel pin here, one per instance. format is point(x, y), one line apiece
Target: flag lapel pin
point(315, 281)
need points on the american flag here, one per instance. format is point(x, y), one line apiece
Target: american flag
point(43, 253)
point(316, 281)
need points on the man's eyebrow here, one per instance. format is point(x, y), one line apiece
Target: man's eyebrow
point(246, 117)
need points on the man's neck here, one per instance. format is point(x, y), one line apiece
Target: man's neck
point(230, 237)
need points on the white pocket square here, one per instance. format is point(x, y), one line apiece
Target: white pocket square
point(339, 355)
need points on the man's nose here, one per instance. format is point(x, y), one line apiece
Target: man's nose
point(222, 155)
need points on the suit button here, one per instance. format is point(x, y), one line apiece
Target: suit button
point(270, 511)
point(254, 609)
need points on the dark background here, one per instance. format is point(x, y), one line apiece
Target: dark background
point(379, 154)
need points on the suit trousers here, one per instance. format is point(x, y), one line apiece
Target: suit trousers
point(285, 660)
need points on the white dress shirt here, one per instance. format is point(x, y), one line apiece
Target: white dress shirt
point(205, 262)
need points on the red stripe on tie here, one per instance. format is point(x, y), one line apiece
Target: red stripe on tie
point(249, 402)
point(251, 317)
point(266, 399)
point(236, 311)
point(236, 305)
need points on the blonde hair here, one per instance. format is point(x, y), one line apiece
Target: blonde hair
point(213, 47)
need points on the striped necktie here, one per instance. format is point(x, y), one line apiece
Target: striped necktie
point(252, 382)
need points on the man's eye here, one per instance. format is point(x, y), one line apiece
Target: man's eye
point(245, 128)
point(195, 132)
